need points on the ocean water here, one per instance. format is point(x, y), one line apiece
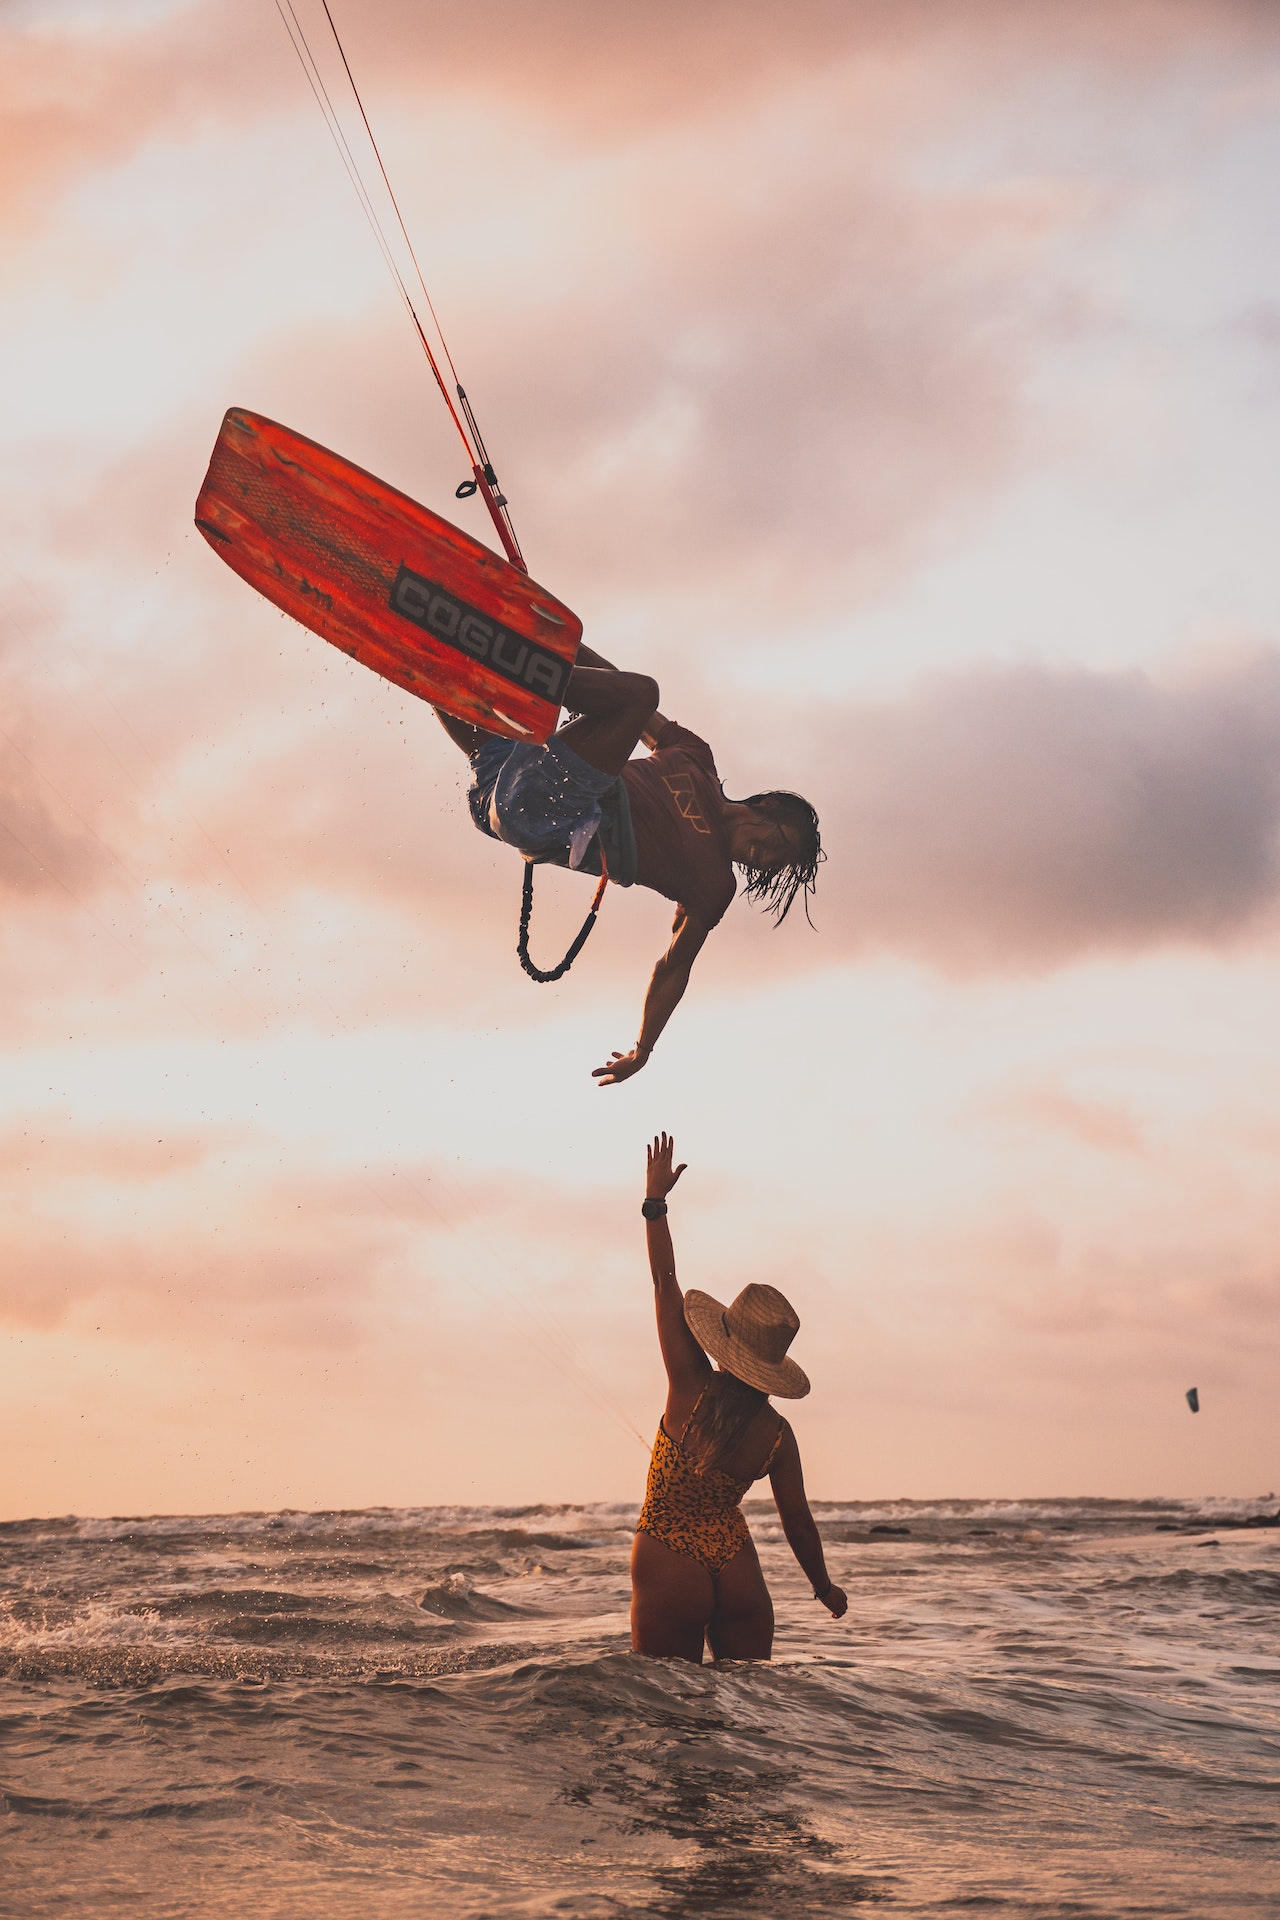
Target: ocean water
point(1040, 1708)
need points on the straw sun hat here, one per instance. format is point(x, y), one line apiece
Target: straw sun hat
point(750, 1338)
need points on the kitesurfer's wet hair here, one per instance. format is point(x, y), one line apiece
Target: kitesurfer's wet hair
point(721, 1418)
point(776, 887)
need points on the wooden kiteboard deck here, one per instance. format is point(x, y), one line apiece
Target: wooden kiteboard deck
point(387, 580)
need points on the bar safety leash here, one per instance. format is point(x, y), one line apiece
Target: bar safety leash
point(526, 910)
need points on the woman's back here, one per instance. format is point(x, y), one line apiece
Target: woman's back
point(730, 1430)
point(697, 1477)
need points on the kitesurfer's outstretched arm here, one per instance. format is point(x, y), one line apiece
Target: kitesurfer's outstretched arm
point(670, 976)
point(666, 988)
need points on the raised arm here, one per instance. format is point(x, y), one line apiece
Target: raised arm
point(688, 1368)
point(666, 988)
point(787, 1481)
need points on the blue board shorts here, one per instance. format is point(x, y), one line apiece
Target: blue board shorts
point(550, 804)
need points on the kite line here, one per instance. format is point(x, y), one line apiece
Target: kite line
point(485, 480)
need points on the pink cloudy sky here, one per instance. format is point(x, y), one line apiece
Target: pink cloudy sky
point(898, 383)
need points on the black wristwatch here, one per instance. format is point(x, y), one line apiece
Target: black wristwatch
point(654, 1209)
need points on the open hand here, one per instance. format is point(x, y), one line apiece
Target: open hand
point(620, 1067)
point(836, 1601)
point(659, 1177)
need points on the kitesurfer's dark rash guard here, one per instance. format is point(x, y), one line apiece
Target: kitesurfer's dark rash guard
point(677, 813)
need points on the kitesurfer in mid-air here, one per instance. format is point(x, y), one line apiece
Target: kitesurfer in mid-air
point(662, 822)
point(695, 1576)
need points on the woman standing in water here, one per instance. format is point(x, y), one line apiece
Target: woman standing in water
point(695, 1575)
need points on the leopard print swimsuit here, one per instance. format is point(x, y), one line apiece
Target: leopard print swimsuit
point(696, 1512)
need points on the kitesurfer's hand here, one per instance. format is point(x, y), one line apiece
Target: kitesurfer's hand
point(836, 1601)
point(659, 1176)
point(621, 1066)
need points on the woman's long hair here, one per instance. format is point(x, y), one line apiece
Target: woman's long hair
point(726, 1410)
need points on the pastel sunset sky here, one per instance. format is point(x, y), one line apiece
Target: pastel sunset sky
point(899, 383)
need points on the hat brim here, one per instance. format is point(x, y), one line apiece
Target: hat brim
point(705, 1320)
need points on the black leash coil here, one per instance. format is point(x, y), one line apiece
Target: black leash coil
point(526, 910)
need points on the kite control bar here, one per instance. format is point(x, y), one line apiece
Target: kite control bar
point(486, 483)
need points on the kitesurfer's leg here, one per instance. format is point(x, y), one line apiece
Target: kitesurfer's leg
point(613, 711)
point(588, 657)
point(741, 1625)
point(672, 1597)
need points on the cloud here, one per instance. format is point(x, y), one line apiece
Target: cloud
point(768, 402)
point(606, 74)
point(760, 304)
point(190, 1234)
point(163, 1228)
point(993, 820)
point(748, 358)
point(719, 440)
point(81, 87)
point(81, 94)
point(1142, 1302)
point(298, 1288)
point(1023, 818)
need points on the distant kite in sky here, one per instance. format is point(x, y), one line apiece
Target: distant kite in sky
point(1193, 1399)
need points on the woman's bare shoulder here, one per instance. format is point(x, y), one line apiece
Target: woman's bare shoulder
point(753, 1456)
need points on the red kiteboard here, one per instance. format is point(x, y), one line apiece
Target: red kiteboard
point(387, 580)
